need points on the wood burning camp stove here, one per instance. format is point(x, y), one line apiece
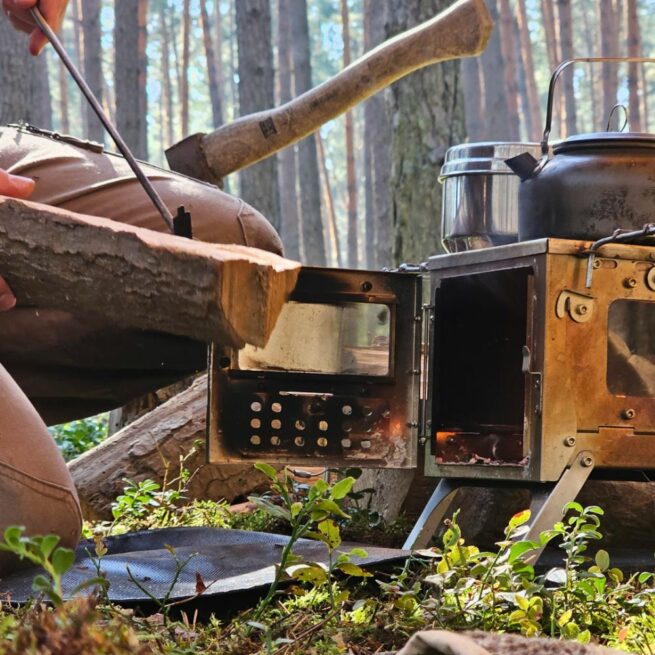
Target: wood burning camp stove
point(514, 371)
point(529, 363)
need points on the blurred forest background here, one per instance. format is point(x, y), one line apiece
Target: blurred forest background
point(364, 190)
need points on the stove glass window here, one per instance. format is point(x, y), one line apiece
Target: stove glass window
point(631, 348)
point(343, 339)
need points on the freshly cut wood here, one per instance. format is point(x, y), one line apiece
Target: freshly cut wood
point(139, 278)
point(463, 30)
point(151, 444)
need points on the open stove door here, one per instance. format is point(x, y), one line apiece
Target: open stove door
point(336, 385)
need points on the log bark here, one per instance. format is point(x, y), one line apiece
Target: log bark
point(146, 447)
point(139, 278)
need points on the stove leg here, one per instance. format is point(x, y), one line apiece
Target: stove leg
point(432, 515)
point(547, 506)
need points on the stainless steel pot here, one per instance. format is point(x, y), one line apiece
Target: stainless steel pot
point(593, 185)
point(480, 195)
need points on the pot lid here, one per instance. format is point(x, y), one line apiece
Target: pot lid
point(486, 157)
point(606, 140)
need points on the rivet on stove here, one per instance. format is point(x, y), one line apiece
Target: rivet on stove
point(628, 413)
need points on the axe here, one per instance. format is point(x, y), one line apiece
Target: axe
point(462, 30)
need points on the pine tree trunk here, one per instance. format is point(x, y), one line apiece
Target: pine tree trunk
point(634, 50)
point(167, 86)
point(218, 50)
point(259, 184)
point(328, 197)
point(287, 174)
point(609, 47)
point(64, 118)
point(566, 45)
point(351, 176)
point(92, 65)
point(428, 118)
point(473, 99)
point(78, 42)
point(184, 73)
point(212, 75)
point(495, 95)
point(511, 90)
point(129, 80)
point(308, 174)
point(23, 80)
point(377, 152)
point(534, 120)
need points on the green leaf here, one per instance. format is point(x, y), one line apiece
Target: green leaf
point(522, 602)
point(342, 488)
point(584, 637)
point(520, 548)
point(602, 560)
point(312, 573)
point(62, 560)
point(318, 489)
point(13, 534)
point(358, 552)
point(564, 618)
point(270, 508)
point(519, 519)
point(267, 470)
point(328, 506)
point(573, 506)
point(644, 577)
point(295, 509)
point(48, 544)
point(330, 533)
point(352, 569)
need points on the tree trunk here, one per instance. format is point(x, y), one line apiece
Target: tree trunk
point(328, 197)
point(64, 118)
point(511, 90)
point(167, 86)
point(22, 79)
point(259, 184)
point(634, 50)
point(308, 174)
point(609, 48)
point(566, 46)
point(146, 447)
point(78, 42)
point(40, 92)
point(351, 176)
point(287, 174)
point(495, 94)
point(129, 80)
point(92, 65)
point(534, 120)
point(184, 72)
point(377, 149)
point(218, 41)
point(473, 99)
point(212, 74)
point(550, 30)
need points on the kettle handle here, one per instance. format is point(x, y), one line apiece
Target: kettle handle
point(553, 81)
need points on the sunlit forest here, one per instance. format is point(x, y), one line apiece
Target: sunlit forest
point(198, 64)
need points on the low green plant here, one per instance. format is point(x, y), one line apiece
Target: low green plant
point(77, 437)
point(310, 516)
point(55, 560)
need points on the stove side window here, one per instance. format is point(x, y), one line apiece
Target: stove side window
point(631, 348)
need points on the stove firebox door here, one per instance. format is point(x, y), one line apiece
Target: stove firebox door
point(337, 384)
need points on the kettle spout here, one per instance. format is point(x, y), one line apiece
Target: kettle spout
point(524, 165)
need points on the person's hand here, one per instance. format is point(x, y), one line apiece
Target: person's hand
point(17, 187)
point(18, 12)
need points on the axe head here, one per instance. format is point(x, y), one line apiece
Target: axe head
point(188, 157)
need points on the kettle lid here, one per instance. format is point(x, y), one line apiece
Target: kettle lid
point(605, 140)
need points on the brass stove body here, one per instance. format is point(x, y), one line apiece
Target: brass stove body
point(529, 366)
point(510, 367)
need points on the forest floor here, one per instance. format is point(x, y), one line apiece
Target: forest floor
point(319, 609)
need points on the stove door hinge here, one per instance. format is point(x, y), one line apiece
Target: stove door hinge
point(534, 377)
point(427, 322)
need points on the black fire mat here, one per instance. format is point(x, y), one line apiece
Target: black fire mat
point(227, 562)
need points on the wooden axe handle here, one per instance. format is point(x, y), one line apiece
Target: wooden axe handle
point(463, 30)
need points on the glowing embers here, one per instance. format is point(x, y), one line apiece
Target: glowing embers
point(493, 447)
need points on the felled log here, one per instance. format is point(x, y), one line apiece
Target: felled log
point(463, 30)
point(151, 444)
point(138, 278)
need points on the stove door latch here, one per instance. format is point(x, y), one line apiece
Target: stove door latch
point(577, 306)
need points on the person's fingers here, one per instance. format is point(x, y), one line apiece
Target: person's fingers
point(18, 11)
point(7, 298)
point(15, 186)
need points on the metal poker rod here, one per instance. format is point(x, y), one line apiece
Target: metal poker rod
point(118, 139)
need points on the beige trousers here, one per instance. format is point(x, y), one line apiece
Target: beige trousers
point(70, 366)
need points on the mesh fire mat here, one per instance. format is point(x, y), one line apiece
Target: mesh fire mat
point(227, 562)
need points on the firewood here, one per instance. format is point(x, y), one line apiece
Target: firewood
point(133, 277)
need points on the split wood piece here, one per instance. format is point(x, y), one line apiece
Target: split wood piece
point(463, 30)
point(138, 278)
point(143, 450)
